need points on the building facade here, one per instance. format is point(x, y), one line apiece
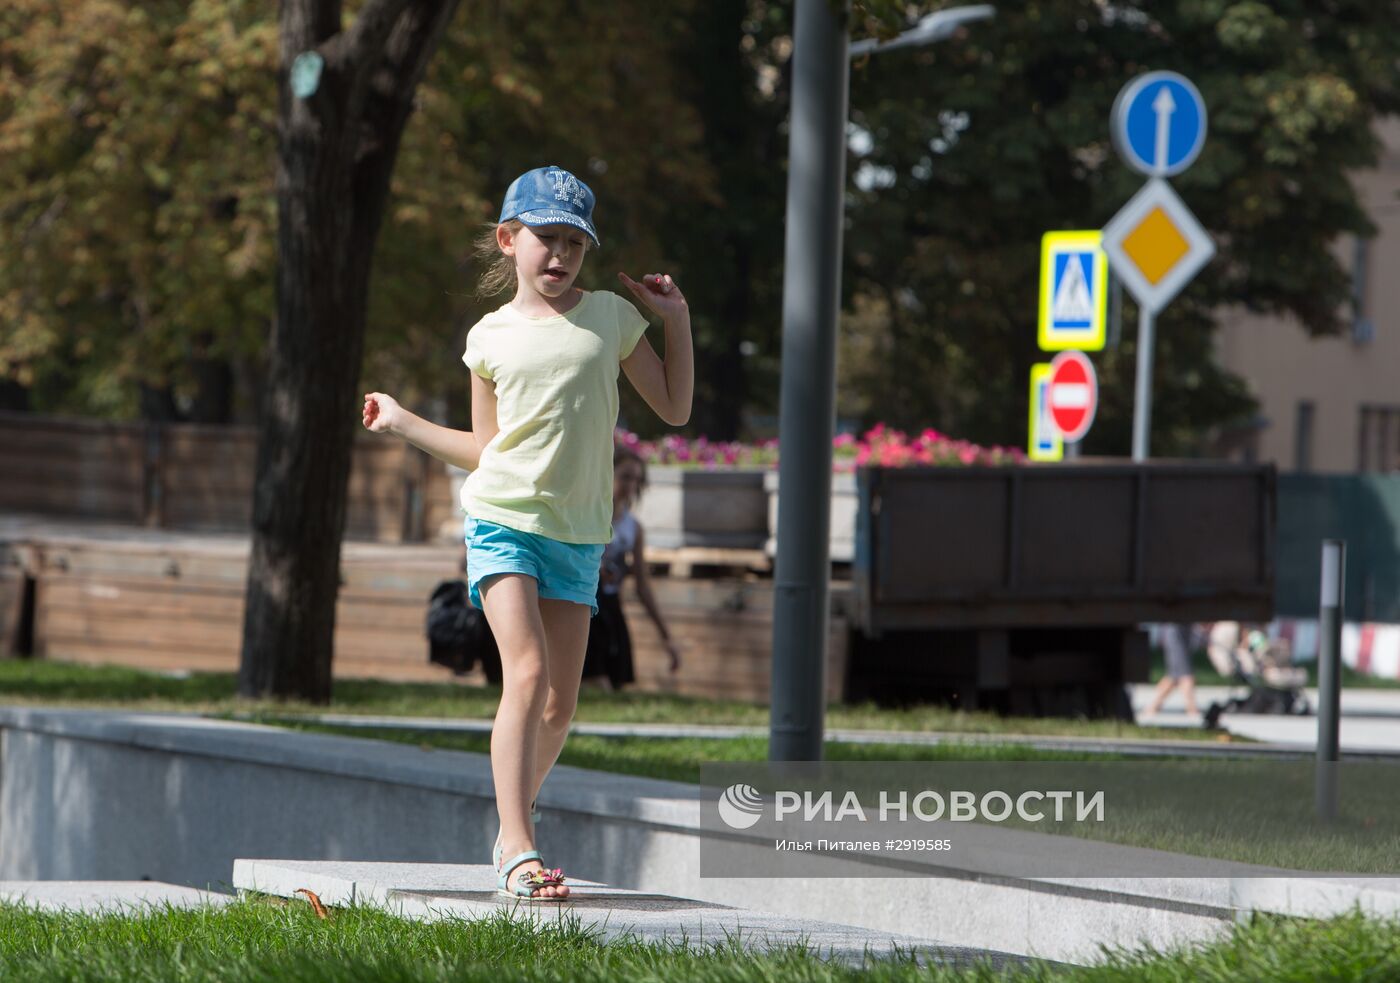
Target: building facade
point(1332, 405)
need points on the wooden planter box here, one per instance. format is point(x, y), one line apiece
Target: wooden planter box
point(844, 505)
point(715, 509)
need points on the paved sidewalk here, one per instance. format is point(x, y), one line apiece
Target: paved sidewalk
point(1356, 702)
point(1370, 721)
point(95, 897)
point(438, 891)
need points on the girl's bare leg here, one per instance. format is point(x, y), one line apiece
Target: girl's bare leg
point(512, 606)
point(566, 634)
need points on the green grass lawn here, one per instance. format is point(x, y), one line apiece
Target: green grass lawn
point(679, 759)
point(272, 940)
point(24, 681)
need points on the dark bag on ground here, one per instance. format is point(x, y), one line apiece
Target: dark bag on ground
point(458, 635)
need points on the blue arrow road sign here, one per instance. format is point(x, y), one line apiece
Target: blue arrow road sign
point(1159, 123)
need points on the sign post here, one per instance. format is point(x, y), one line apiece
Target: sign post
point(1154, 243)
point(1329, 674)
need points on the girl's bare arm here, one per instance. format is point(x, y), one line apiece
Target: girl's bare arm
point(667, 386)
point(648, 599)
point(383, 414)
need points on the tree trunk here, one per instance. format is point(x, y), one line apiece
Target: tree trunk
point(336, 153)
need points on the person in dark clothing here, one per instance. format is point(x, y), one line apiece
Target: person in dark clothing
point(608, 660)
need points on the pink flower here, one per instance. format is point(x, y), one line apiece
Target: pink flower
point(880, 445)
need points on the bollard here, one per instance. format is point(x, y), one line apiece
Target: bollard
point(1329, 675)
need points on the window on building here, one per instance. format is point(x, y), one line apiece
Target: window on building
point(1378, 439)
point(1363, 329)
point(1303, 436)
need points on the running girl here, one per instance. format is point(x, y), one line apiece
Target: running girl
point(539, 499)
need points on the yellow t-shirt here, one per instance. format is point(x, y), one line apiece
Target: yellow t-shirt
point(549, 469)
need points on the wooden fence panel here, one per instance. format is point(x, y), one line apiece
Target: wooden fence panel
point(442, 513)
point(725, 653)
point(159, 605)
point(12, 588)
point(161, 602)
point(199, 477)
point(73, 467)
point(382, 478)
point(206, 474)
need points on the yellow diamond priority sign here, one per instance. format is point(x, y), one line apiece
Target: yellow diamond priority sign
point(1155, 245)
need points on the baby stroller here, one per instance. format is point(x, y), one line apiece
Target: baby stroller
point(1264, 664)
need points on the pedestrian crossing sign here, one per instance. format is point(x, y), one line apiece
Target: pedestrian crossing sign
point(1045, 443)
point(1073, 291)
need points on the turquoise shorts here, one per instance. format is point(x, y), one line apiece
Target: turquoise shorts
point(562, 571)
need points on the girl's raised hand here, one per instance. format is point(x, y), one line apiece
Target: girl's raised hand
point(381, 413)
point(658, 292)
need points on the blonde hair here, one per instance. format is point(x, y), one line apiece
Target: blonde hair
point(500, 268)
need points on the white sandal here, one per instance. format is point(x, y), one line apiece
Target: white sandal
point(496, 850)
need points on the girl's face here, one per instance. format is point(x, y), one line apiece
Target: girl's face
point(547, 257)
point(627, 481)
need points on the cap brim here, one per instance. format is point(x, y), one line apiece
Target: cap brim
point(552, 216)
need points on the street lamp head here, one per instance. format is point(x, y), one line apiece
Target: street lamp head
point(935, 27)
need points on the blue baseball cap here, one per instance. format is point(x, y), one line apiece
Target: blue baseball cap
point(550, 196)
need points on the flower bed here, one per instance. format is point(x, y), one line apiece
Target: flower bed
point(880, 445)
point(725, 494)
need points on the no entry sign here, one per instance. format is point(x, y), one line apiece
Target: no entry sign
point(1073, 394)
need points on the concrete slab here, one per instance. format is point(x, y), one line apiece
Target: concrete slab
point(1316, 898)
point(95, 897)
point(441, 891)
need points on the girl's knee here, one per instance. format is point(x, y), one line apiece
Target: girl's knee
point(527, 680)
point(559, 712)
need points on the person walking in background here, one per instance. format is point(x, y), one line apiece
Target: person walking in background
point(609, 657)
point(1176, 649)
point(544, 371)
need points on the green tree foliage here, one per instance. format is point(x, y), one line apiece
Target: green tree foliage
point(136, 209)
point(979, 145)
point(137, 145)
point(137, 212)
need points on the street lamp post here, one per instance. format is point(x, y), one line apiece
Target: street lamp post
point(807, 399)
